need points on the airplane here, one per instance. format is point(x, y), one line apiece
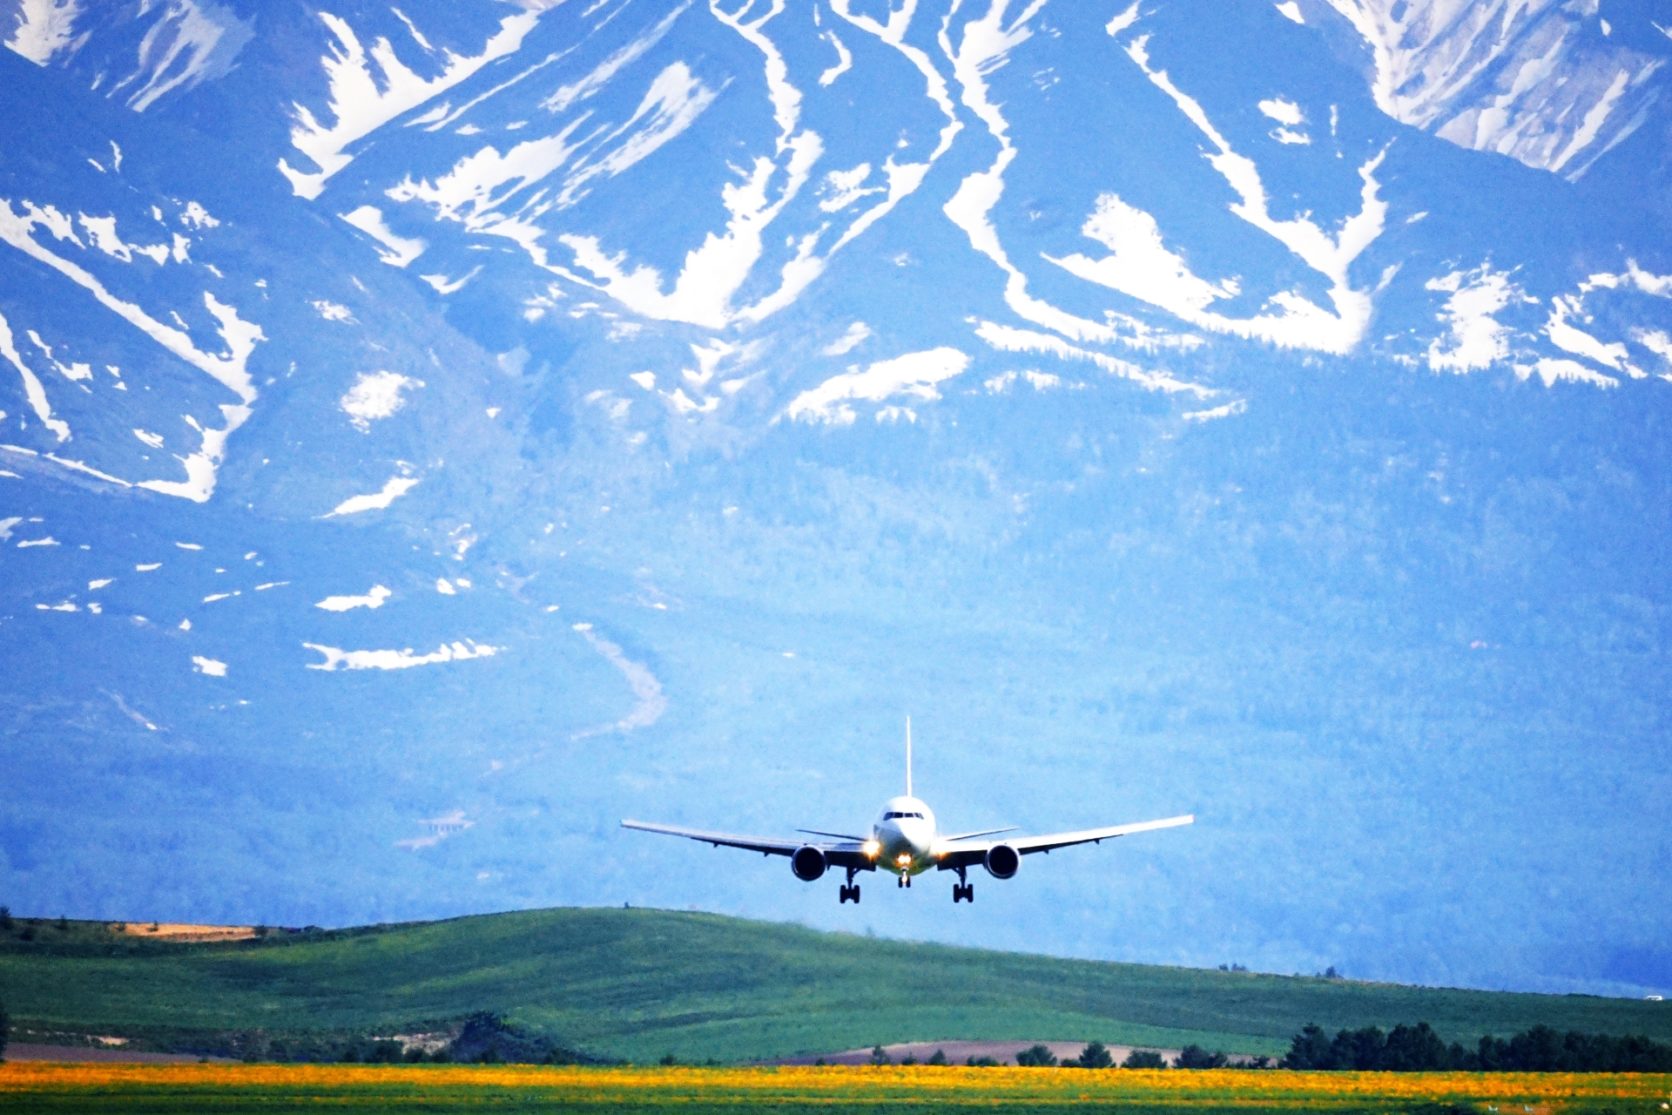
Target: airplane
point(906, 841)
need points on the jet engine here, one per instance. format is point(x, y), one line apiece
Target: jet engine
point(1001, 861)
point(808, 863)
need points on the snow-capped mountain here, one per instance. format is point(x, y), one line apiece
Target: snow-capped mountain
point(431, 432)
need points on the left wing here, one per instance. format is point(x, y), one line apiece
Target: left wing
point(964, 853)
point(844, 853)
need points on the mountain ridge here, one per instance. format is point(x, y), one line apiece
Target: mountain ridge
point(626, 412)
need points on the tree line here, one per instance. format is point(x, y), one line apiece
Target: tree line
point(1419, 1049)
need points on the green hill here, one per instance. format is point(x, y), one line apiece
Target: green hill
point(639, 984)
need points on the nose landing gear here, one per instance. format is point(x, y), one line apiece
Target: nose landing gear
point(903, 881)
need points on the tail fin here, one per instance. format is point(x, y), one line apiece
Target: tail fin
point(908, 755)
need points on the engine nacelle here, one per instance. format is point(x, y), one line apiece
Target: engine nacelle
point(808, 863)
point(1001, 861)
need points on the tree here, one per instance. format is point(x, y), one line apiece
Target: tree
point(1309, 1049)
point(879, 1056)
point(1144, 1059)
point(938, 1057)
point(1415, 1049)
point(1195, 1057)
point(5, 1029)
point(1536, 1050)
point(6, 919)
point(1095, 1056)
point(1036, 1056)
point(1364, 1050)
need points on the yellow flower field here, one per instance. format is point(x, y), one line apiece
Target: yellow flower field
point(29, 1087)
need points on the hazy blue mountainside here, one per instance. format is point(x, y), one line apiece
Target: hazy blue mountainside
point(429, 434)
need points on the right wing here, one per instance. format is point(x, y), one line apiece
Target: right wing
point(967, 853)
point(844, 853)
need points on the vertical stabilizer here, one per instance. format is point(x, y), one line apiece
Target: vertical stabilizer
point(908, 756)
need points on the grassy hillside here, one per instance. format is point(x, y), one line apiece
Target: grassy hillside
point(638, 984)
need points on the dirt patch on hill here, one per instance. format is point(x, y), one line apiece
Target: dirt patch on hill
point(180, 931)
point(958, 1052)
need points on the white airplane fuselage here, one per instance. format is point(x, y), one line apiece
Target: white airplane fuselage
point(904, 833)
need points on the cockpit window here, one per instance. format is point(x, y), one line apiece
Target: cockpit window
point(897, 816)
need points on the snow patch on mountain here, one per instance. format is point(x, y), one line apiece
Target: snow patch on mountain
point(1522, 78)
point(370, 87)
point(915, 375)
point(335, 658)
point(210, 667)
point(239, 336)
point(1009, 338)
point(45, 29)
point(191, 42)
point(595, 80)
point(843, 63)
point(1553, 370)
point(374, 396)
point(1290, 319)
point(1141, 265)
point(856, 335)
point(396, 487)
point(393, 249)
point(1573, 325)
point(1289, 119)
point(101, 231)
point(34, 392)
point(75, 372)
point(1474, 337)
point(704, 289)
point(985, 46)
point(373, 600)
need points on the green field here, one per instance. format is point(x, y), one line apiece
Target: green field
point(640, 984)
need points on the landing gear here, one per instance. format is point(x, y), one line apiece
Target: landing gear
point(848, 894)
point(903, 881)
point(963, 892)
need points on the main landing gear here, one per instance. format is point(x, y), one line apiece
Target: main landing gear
point(848, 892)
point(963, 890)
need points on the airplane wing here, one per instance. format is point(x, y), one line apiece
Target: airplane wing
point(966, 853)
point(843, 853)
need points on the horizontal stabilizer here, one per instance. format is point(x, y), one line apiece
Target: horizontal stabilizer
point(973, 835)
point(835, 835)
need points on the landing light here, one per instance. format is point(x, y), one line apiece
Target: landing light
point(904, 860)
point(871, 848)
